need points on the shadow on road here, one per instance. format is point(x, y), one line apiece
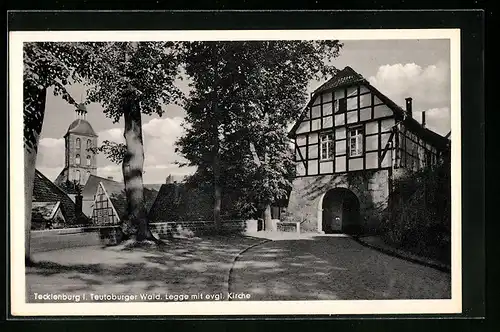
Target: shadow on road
point(332, 268)
point(181, 266)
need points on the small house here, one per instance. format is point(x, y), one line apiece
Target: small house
point(52, 207)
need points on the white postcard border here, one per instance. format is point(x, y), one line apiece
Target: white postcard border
point(19, 307)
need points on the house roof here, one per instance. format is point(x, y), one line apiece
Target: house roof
point(116, 193)
point(163, 203)
point(347, 77)
point(182, 201)
point(90, 187)
point(46, 191)
point(44, 210)
point(153, 186)
point(67, 186)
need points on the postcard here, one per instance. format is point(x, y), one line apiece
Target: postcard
point(242, 172)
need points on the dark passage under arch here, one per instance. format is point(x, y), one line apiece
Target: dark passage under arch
point(341, 212)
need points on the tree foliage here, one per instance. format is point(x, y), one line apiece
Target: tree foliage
point(46, 65)
point(244, 96)
point(114, 152)
point(147, 70)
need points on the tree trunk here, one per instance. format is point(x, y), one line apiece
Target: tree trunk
point(34, 113)
point(216, 170)
point(266, 215)
point(132, 167)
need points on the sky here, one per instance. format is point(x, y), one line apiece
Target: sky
point(398, 68)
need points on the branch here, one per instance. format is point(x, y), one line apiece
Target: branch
point(115, 152)
point(256, 158)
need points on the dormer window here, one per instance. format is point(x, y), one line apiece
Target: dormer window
point(355, 142)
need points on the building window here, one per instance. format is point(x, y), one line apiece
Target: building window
point(77, 159)
point(78, 176)
point(355, 142)
point(89, 144)
point(327, 146)
point(341, 105)
point(78, 143)
point(89, 159)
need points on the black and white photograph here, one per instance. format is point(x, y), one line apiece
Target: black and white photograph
point(235, 172)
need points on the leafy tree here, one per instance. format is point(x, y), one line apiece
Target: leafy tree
point(130, 79)
point(46, 65)
point(244, 96)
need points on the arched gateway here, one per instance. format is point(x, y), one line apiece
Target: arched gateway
point(339, 212)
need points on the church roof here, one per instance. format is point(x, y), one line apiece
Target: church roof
point(81, 127)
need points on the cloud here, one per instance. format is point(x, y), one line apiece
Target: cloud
point(51, 153)
point(428, 86)
point(113, 134)
point(436, 119)
point(159, 141)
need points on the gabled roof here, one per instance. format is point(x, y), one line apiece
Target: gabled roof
point(348, 77)
point(117, 196)
point(46, 191)
point(90, 187)
point(116, 193)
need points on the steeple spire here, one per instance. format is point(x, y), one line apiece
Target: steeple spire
point(81, 111)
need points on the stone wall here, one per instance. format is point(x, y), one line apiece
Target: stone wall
point(370, 187)
point(196, 228)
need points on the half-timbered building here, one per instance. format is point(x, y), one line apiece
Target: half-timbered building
point(351, 141)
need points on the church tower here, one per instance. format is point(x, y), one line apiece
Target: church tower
point(80, 162)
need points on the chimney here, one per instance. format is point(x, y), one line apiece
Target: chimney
point(423, 119)
point(78, 205)
point(169, 179)
point(408, 107)
point(110, 178)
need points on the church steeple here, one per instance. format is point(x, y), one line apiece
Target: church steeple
point(80, 160)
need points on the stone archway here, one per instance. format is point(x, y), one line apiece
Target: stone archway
point(339, 212)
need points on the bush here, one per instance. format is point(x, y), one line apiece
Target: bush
point(419, 214)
